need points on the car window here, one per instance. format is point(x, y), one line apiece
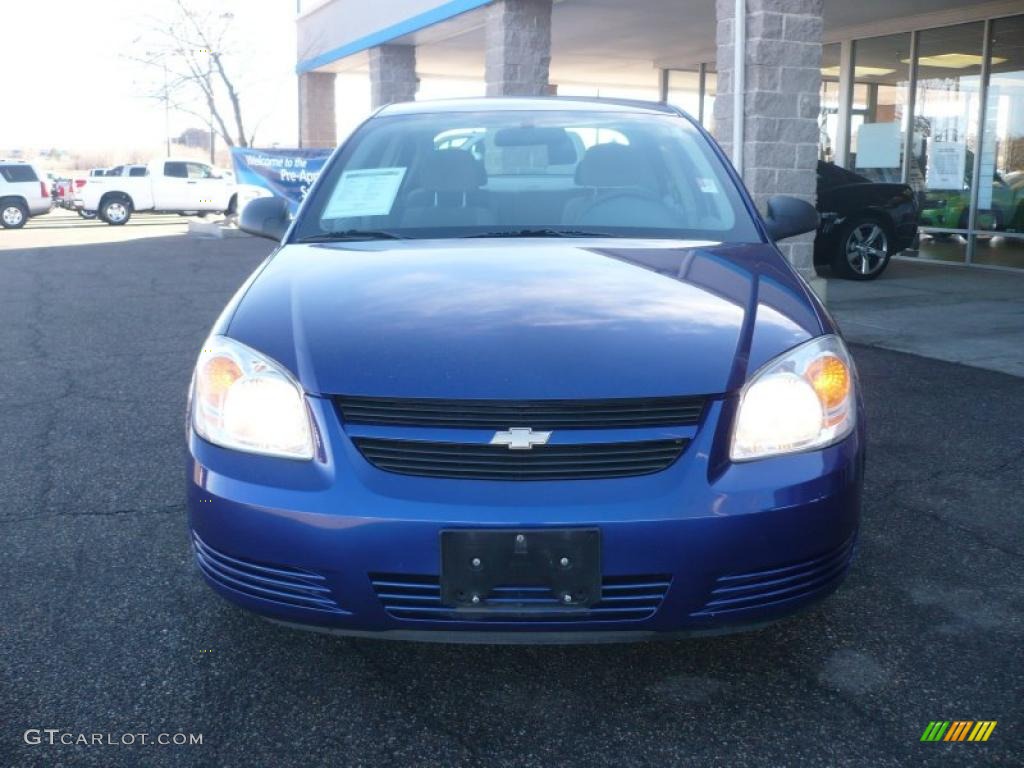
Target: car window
point(138, 171)
point(466, 173)
point(176, 170)
point(18, 173)
point(199, 171)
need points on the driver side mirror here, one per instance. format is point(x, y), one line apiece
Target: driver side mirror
point(266, 217)
point(789, 216)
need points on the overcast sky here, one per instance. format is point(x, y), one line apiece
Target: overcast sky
point(67, 83)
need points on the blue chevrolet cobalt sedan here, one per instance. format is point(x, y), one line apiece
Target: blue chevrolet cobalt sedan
point(525, 370)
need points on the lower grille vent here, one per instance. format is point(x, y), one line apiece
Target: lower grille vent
point(758, 589)
point(288, 586)
point(623, 598)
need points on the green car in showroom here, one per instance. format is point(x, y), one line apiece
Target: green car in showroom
point(951, 209)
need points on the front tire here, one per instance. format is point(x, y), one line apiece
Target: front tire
point(993, 217)
point(88, 215)
point(13, 214)
point(116, 211)
point(862, 249)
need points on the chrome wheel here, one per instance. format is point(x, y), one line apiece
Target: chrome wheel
point(867, 248)
point(12, 216)
point(116, 212)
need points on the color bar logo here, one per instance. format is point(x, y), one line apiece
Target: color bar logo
point(958, 730)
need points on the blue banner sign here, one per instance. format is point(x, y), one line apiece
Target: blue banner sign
point(287, 173)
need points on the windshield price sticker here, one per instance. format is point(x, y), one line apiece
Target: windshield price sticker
point(365, 192)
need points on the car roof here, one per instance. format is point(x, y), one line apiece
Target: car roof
point(536, 103)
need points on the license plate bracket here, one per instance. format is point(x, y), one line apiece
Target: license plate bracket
point(565, 560)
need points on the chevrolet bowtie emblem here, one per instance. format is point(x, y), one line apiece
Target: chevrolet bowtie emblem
point(520, 438)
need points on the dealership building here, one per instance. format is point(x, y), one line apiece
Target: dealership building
point(929, 92)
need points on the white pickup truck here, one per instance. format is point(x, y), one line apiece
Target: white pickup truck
point(169, 186)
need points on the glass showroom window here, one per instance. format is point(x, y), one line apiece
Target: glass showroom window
point(828, 115)
point(878, 118)
point(1000, 217)
point(684, 90)
point(710, 88)
point(947, 107)
point(613, 91)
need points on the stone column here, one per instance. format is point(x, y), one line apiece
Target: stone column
point(316, 110)
point(781, 102)
point(392, 74)
point(518, 47)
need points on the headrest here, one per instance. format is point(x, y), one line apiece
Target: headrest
point(452, 170)
point(611, 165)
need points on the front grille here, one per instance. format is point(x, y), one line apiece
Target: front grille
point(496, 462)
point(618, 413)
point(623, 598)
point(287, 586)
point(758, 589)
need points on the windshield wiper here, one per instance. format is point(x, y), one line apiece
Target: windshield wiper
point(541, 232)
point(350, 234)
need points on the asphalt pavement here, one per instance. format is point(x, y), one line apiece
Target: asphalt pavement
point(108, 631)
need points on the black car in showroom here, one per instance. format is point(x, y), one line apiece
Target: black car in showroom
point(863, 222)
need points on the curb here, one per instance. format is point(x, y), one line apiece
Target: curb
point(214, 229)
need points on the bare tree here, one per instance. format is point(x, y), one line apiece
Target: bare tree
point(190, 49)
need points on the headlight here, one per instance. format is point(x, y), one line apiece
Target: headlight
point(800, 401)
point(245, 401)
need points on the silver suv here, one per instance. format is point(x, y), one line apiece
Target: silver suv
point(23, 193)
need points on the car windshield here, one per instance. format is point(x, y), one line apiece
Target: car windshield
point(524, 173)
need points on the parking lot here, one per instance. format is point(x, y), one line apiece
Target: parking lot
point(108, 629)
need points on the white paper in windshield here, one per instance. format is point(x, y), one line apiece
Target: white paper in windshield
point(364, 192)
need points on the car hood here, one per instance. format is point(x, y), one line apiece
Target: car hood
point(524, 318)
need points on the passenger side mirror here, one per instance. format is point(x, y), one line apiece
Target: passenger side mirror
point(266, 217)
point(789, 216)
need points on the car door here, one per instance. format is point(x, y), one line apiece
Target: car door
point(205, 188)
point(171, 189)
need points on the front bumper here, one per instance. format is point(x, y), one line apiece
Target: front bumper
point(703, 546)
point(905, 236)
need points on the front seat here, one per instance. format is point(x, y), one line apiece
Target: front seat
point(620, 189)
point(449, 193)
